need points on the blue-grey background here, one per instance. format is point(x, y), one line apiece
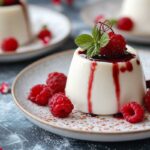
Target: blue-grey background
point(17, 133)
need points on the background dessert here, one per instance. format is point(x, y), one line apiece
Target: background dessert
point(139, 12)
point(15, 22)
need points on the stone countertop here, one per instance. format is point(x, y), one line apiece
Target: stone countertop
point(17, 133)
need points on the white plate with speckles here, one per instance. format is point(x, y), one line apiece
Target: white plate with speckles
point(111, 10)
point(41, 16)
point(78, 125)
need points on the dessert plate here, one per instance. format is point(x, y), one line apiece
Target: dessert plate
point(39, 17)
point(111, 10)
point(78, 125)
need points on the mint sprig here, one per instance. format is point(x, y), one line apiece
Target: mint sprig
point(94, 42)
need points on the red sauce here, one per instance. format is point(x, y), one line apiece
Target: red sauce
point(90, 85)
point(116, 83)
point(124, 58)
point(128, 67)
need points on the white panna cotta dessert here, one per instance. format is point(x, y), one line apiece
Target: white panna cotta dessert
point(15, 22)
point(139, 12)
point(102, 83)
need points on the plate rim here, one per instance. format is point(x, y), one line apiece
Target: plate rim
point(38, 119)
point(31, 6)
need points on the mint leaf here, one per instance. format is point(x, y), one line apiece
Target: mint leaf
point(104, 40)
point(96, 33)
point(93, 50)
point(84, 41)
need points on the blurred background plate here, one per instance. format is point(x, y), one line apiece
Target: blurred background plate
point(56, 22)
point(110, 10)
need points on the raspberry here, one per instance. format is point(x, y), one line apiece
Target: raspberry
point(99, 18)
point(60, 105)
point(56, 82)
point(10, 44)
point(147, 100)
point(45, 35)
point(40, 94)
point(125, 24)
point(4, 88)
point(115, 47)
point(133, 112)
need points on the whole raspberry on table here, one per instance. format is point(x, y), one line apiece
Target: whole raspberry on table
point(60, 105)
point(40, 94)
point(45, 35)
point(56, 82)
point(10, 44)
point(115, 47)
point(125, 23)
point(133, 112)
point(4, 88)
point(147, 100)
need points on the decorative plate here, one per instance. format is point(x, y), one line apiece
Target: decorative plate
point(78, 125)
point(39, 17)
point(110, 10)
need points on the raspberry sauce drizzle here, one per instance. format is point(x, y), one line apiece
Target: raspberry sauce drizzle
point(90, 85)
point(128, 67)
point(116, 83)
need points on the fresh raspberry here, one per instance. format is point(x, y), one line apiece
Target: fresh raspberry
point(133, 112)
point(56, 2)
point(147, 100)
point(99, 18)
point(45, 35)
point(60, 105)
point(10, 44)
point(4, 88)
point(56, 82)
point(125, 24)
point(40, 94)
point(115, 47)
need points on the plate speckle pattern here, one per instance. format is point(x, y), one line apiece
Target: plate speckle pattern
point(77, 121)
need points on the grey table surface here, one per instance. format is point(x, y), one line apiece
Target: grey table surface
point(17, 133)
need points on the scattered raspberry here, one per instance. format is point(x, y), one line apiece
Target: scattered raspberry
point(45, 35)
point(133, 112)
point(115, 47)
point(56, 82)
point(4, 88)
point(40, 94)
point(10, 44)
point(1, 148)
point(99, 18)
point(147, 100)
point(60, 105)
point(125, 24)
point(70, 2)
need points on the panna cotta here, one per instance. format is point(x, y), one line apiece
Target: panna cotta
point(139, 12)
point(105, 73)
point(15, 22)
point(102, 87)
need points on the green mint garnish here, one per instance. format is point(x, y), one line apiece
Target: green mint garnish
point(93, 43)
